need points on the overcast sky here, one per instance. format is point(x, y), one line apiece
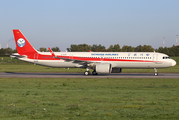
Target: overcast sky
point(51, 23)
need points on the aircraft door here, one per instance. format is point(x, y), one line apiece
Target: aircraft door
point(155, 57)
point(71, 56)
point(36, 58)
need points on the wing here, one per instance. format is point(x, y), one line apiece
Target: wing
point(67, 59)
point(75, 59)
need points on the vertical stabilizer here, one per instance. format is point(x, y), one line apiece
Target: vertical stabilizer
point(22, 44)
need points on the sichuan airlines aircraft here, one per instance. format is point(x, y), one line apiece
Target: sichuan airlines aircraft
point(100, 62)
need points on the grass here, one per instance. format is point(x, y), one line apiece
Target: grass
point(38, 68)
point(91, 99)
point(14, 65)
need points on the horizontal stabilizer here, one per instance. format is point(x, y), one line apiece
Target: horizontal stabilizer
point(16, 55)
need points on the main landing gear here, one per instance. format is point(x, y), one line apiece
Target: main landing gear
point(155, 73)
point(94, 72)
point(88, 73)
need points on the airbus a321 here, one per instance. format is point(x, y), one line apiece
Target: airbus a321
point(100, 62)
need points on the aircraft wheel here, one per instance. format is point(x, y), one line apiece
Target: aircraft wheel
point(155, 74)
point(86, 73)
point(94, 73)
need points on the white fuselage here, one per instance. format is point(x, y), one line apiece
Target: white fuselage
point(116, 59)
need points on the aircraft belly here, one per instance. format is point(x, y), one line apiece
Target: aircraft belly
point(134, 65)
point(141, 65)
point(51, 63)
point(56, 63)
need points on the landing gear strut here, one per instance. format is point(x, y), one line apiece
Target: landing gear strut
point(155, 73)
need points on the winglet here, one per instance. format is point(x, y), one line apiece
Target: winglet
point(51, 52)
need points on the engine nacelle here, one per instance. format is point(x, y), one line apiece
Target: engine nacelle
point(103, 68)
point(116, 70)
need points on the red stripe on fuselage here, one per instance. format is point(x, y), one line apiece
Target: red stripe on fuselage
point(51, 57)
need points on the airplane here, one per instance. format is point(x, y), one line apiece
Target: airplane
point(100, 62)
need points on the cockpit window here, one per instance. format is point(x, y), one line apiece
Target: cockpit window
point(166, 57)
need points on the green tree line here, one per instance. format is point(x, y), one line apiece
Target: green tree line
point(8, 51)
point(171, 51)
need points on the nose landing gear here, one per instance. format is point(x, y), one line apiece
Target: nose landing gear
point(155, 73)
point(87, 72)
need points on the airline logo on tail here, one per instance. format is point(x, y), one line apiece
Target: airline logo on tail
point(21, 42)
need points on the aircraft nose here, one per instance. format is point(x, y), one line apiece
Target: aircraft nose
point(173, 63)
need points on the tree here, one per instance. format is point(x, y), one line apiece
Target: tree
point(144, 48)
point(6, 51)
point(15, 50)
point(110, 49)
point(174, 51)
point(42, 49)
point(163, 50)
point(55, 49)
point(84, 48)
point(138, 48)
point(147, 48)
point(126, 48)
point(97, 48)
point(116, 48)
point(101, 50)
point(72, 48)
point(79, 48)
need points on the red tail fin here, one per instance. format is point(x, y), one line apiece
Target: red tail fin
point(22, 44)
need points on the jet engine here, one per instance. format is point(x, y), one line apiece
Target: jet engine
point(103, 68)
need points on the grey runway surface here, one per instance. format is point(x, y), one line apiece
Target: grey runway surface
point(80, 75)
